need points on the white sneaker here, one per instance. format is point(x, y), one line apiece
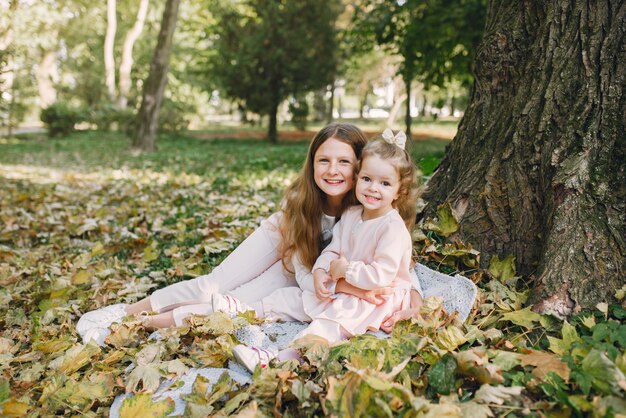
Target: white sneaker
point(94, 325)
point(228, 304)
point(249, 357)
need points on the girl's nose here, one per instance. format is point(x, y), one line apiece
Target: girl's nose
point(333, 168)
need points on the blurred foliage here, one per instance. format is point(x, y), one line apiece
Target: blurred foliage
point(60, 118)
point(267, 50)
point(436, 39)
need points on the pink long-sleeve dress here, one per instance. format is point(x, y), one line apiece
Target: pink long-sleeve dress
point(379, 255)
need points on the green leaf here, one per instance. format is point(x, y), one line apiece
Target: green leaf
point(446, 223)
point(441, 377)
point(523, 317)
point(5, 390)
point(504, 269)
point(562, 346)
point(506, 360)
point(142, 405)
point(607, 378)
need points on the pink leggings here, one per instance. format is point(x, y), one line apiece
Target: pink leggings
point(252, 271)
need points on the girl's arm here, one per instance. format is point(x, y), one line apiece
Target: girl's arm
point(374, 296)
point(393, 249)
point(332, 250)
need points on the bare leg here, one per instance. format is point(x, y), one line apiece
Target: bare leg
point(289, 354)
point(163, 320)
point(139, 307)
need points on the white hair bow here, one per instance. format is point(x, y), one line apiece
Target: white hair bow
point(399, 139)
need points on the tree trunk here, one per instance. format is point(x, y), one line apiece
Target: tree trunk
point(126, 64)
point(154, 86)
point(331, 103)
point(407, 115)
point(272, 133)
point(537, 167)
point(109, 43)
point(47, 75)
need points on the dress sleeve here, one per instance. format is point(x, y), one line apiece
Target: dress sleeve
point(332, 251)
point(304, 276)
point(392, 245)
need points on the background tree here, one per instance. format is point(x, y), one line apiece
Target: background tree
point(434, 38)
point(270, 50)
point(537, 167)
point(154, 86)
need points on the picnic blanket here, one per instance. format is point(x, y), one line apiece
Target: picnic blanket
point(457, 292)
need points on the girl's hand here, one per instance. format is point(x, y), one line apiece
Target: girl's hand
point(321, 281)
point(412, 312)
point(338, 268)
point(377, 296)
point(391, 320)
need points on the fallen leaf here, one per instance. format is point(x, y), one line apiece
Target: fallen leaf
point(498, 395)
point(146, 374)
point(524, 317)
point(142, 405)
point(544, 363)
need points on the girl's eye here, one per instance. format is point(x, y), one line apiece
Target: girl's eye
point(322, 160)
point(386, 183)
point(365, 178)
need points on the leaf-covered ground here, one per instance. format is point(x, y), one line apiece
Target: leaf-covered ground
point(85, 223)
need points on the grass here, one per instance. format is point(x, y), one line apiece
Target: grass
point(84, 151)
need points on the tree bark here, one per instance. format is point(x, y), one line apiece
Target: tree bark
point(537, 167)
point(126, 64)
point(154, 86)
point(109, 43)
point(331, 103)
point(47, 75)
point(272, 133)
point(407, 115)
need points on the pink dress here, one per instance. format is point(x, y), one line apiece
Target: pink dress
point(379, 255)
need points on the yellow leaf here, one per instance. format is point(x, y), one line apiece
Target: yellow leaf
point(75, 358)
point(544, 363)
point(150, 253)
point(524, 317)
point(97, 249)
point(475, 362)
point(450, 338)
point(140, 406)
point(14, 408)
point(504, 269)
point(81, 277)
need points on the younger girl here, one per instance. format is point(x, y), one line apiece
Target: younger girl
point(371, 249)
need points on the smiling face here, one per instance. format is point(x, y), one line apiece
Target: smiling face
point(333, 171)
point(377, 186)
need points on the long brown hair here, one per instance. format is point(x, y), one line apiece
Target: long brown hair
point(303, 202)
point(406, 203)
